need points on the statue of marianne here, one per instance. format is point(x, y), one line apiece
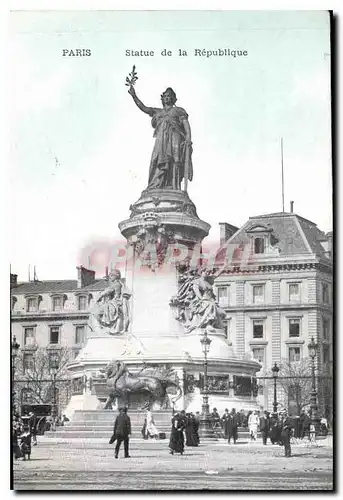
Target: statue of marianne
point(171, 157)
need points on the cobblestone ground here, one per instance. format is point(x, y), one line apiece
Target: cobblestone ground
point(90, 465)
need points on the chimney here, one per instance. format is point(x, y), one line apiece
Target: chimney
point(85, 277)
point(292, 204)
point(13, 280)
point(226, 231)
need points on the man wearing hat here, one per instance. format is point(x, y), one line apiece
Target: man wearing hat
point(122, 431)
point(286, 432)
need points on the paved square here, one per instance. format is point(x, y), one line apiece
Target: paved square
point(90, 465)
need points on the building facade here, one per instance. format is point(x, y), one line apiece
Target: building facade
point(277, 293)
point(50, 317)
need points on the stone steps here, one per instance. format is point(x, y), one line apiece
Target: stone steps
point(99, 424)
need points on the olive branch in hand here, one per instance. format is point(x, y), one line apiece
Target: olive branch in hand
point(133, 78)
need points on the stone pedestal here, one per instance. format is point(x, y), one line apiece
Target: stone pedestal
point(164, 233)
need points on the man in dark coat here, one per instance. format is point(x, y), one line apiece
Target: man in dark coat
point(122, 431)
point(264, 426)
point(231, 426)
point(225, 419)
point(304, 424)
point(286, 432)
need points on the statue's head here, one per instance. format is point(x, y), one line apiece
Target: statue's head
point(115, 275)
point(169, 97)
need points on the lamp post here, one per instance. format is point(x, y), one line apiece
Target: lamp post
point(14, 353)
point(205, 428)
point(275, 371)
point(53, 367)
point(312, 349)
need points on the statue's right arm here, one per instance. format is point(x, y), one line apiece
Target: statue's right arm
point(139, 104)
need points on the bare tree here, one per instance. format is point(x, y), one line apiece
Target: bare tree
point(32, 373)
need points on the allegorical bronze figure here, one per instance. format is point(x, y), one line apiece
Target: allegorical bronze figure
point(171, 159)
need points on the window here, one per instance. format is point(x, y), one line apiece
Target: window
point(294, 292)
point(79, 334)
point(54, 334)
point(57, 303)
point(294, 354)
point(259, 245)
point(326, 354)
point(223, 296)
point(258, 293)
point(13, 302)
point(326, 329)
point(258, 354)
point(82, 302)
point(29, 335)
point(257, 329)
point(31, 304)
point(294, 327)
point(325, 290)
point(26, 396)
point(28, 361)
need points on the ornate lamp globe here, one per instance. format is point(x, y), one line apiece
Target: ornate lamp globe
point(205, 343)
point(275, 370)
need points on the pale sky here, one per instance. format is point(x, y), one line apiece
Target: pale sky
point(80, 148)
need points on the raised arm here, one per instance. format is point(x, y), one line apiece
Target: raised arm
point(139, 104)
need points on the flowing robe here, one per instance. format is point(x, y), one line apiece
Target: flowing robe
point(170, 149)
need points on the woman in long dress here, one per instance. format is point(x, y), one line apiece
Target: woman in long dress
point(252, 424)
point(192, 436)
point(177, 440)
point(171, 156)
point(149, 428)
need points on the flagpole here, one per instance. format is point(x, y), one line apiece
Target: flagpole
point(282, 176)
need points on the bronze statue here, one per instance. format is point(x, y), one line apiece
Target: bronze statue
point(112, 307)
point(196, 302)
point(121, 382)
point(171, 157)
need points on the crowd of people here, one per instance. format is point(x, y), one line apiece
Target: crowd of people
point(278, 427)
point(24, 435)
point(25, 429)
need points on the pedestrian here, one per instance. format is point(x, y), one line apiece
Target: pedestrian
point(192, 436)
point(122, 431)
point(177, 440)
point(253, 424)
point(15, 435)
point(323, 427)
point(264, 426)
point(232, 426)
point(149, 428)
point(273, 428)
point(33, 428)
point(225, 419)
point(286, 432)
point(304, 424)
point(25, 439)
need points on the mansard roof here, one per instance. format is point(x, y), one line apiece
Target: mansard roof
point(55, 286)
point(291, 233)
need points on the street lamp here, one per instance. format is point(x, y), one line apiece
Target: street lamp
point(206, 429)
point(14, 353)
point(275, 370)
point(53, 367)
point(312, 349)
